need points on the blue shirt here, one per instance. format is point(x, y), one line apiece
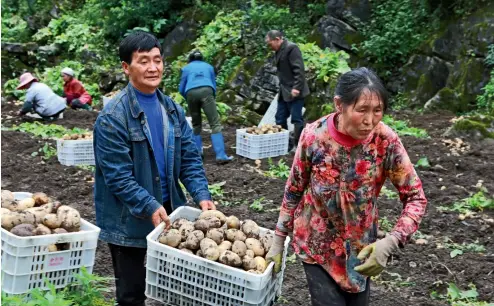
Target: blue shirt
point(151, 107)
point(197, 74)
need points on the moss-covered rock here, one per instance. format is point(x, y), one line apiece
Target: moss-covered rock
point(474, 127)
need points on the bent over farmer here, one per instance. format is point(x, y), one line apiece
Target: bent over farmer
point(293, 85)
point(143, 150)
point(330, 201)
point(74, 91)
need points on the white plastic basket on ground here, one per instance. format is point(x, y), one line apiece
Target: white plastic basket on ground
point(75, 152)
point(269, 116)
point(261, 146)
point(175, 277)
point(27, 263)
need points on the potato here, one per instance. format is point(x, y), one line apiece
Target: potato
point(20, 205)
point(225, 246)
point(207, 243)
point(194, 239)
point(255, 245)
point(250, 229)
point(7, 198)
point(11, 219)
point(186, 229)
point(5, 211)
point(199, 253)
point(171, 238)
point(248, 263)
point(59, 231)
point(260, 264)
point(49, 208)
point(213, 213)
point(40, 198)
point(254, 271)
point(267, 241)
point(250, 253)
point(52, 248)
point(205, 224)
point(71, 219)
point(212, 253)
point(42, 230)
point(179, 222)
point(35, 213)
point(187, 251)
point(56, 205)
point(230, 259)
point(52, 221)
point(233, 222)
point(239, 248)
point(23, 230)
point(181, 246)
point(217, 234)
point(234, 235)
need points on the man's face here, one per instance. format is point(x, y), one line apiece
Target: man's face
point(145, 71)
point(274, 44)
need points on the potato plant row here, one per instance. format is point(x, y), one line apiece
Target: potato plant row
point(219, 238)
point(38, 215)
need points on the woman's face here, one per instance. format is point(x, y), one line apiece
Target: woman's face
point(360, 119)
point(65, 77)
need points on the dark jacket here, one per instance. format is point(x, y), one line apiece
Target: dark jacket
point(288, 60)
point(127, 187)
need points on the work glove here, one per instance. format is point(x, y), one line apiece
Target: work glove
point(275, 253)
point(376, 255)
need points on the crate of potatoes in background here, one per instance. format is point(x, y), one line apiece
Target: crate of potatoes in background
point(76, 149)
point(262, 142)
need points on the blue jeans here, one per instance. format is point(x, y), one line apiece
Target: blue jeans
point(285, 109)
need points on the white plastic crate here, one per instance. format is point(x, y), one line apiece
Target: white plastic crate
point(175, 277)
point(262, 146)
point(75, 152)
point(27, 263)
point(270, 115)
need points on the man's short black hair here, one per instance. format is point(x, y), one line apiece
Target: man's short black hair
point(273, 34)
point(195, 55)
point(137, 42)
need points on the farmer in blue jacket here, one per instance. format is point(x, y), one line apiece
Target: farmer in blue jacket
point(198, 86)
point(143, 147)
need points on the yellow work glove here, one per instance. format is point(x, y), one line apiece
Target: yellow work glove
point(376, 256)
point(275, 253)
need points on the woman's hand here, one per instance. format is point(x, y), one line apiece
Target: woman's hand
point(275, 253)
point(376, 255)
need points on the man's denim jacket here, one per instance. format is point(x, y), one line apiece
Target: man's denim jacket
point(127, 182)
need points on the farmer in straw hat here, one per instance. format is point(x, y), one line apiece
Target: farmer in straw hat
point(40, 98)
point(76, 95)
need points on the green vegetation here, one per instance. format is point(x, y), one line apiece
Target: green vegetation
point(46, 131)
point(423, 162)
point(401, 127)
point(388, 193)
point(216, 189)
point(47, 150)
point(257, 205)
point(457, 297)
point(385, 224)
point(459, 249)
point(477, 202)
point(280, 170)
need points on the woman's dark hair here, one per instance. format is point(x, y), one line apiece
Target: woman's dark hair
point(195, 55)
point(351, 85)
point(137, 42)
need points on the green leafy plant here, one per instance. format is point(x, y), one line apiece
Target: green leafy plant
point(392, 280)
point(10, 89)
point(280, 170)
point(46, 131)
point(223, 110)
point(401, 127)
point(385, 224)
point(88, 168)
point(226, 71)
point(457, 297)
point(325, 65)
point(48, 151)
point(390, 194)
point(485, 101)
point(216, 189)
point(423, 162)
point(257, 205)
point(14, 28)
point(477, 202)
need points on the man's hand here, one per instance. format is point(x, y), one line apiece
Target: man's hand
point(295, 92)
point(207, 205)
point(159, 216)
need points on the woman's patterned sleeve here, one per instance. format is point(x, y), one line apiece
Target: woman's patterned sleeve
point(296, 183)
point(402, 174)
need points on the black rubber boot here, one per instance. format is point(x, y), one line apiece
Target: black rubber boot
point(297, 131)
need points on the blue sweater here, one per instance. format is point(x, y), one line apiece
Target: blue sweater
point(197, 74)
point(151, 106)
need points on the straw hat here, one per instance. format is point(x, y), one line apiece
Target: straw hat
point(25, 79)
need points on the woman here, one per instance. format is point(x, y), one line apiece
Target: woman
point(40, 98)
point(198, 86)
point(76, 95)
point(330, 201)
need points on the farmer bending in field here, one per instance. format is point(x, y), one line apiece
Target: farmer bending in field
point(330, 201)
point(198, 86)
point(293, 85)
point(143, 146)
point(76, 95)
point(40, 98)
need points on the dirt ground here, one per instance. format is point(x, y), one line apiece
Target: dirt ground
point(412, 275)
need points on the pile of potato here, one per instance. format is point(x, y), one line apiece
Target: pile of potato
point(84, 136)
point(264, 129)
point(38, 215)
point(218, 238)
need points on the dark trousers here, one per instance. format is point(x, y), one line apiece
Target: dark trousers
point(76, 103)
point(130, 274)
point(285, 109)
point(324, 291)
point(203, 98)
point(52, 117)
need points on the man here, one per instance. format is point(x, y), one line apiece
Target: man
point(143, 147)
point(293, 85)
point(198, 86)
point(40, 98)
